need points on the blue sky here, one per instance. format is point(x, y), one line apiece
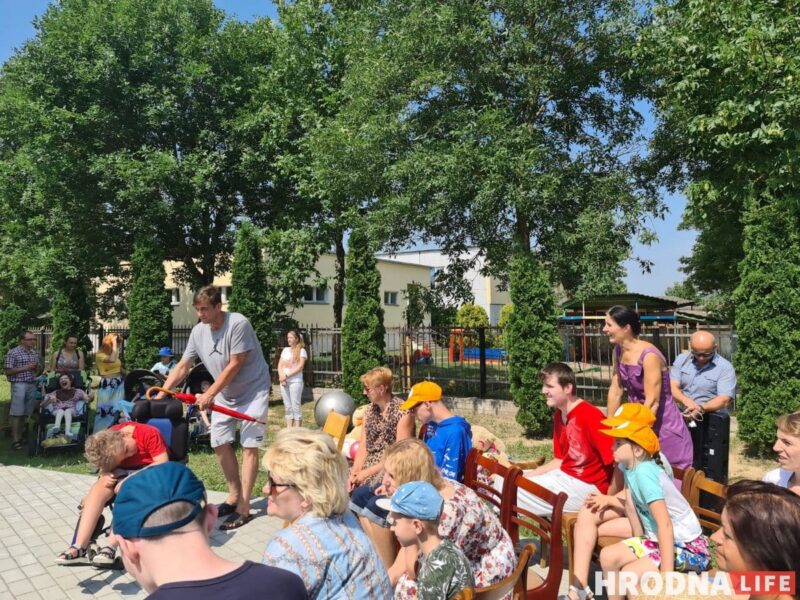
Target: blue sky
point(16, 26)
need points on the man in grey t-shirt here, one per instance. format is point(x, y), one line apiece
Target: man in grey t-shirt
point(228, 347)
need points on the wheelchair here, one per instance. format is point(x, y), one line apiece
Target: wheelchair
point(166, 416)
point(42, 431)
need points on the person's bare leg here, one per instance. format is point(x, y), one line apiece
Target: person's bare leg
point(93, 505)
point(230, 470)
point(589, 527)
point(16, 428)
point(249, 474)
point(612, 559)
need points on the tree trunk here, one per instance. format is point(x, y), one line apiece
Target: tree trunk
point(338, 286)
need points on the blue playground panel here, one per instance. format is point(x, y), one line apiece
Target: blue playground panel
point(474, 353)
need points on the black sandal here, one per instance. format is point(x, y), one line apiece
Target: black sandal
point(225, 509)
point(18, 445)
point(73, 555)
point(234, 521)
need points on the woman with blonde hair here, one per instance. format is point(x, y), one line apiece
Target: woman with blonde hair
point(323, 544)
point(290, 374)
point(466, 521)
point(384, 424)
point(112, 375)
point(787, 447)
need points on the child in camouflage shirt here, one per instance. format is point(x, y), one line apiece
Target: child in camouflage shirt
point(414, 511)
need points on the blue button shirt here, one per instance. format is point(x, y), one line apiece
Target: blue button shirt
point(701, 384)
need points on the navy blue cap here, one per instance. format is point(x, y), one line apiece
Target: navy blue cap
point(143, 493)
point(415, 499)
point(165, 351)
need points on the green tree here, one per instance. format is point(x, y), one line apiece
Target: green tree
point(71, 311)
point(471, 316)
point(683, 289)
point(250, 293)
point(724, 83)
point(12, 322)
point(149, 306)
point(532, 340)
point(128, 112)
point(768, 322)
point(363, 344)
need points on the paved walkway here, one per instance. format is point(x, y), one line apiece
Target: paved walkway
point(38, 511)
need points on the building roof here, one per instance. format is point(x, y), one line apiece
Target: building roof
point(639, 302)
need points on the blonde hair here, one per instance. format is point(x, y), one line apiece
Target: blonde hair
point(309, 460)
point(106, 347)
point(103, 449)
point(298, 347)
point(412, 460)
point(789, 423)
point(378, 376)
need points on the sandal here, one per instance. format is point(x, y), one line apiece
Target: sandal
point(73, 555)
point(576, 593)
point(17, 445)
point(225, 509)
point(234, 521)
point(105, 557)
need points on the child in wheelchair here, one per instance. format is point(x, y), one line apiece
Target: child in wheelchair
point(116, 452)
point(64, 403)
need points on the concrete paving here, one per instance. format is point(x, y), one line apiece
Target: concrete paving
point(38, 512)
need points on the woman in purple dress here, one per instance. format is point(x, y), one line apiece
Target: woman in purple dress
point(641, 371)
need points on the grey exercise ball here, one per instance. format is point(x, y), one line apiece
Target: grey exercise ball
point(335, 400)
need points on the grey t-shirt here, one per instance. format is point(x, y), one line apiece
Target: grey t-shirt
point(215, 347)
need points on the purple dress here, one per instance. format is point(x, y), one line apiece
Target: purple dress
point(674, 436)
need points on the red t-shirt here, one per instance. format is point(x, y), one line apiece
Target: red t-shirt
point(149, 444)
point(586, 453)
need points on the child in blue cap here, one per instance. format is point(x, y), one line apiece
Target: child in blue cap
point(414, 511)
point(166, 362)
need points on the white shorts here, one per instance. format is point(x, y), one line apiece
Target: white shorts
point(223, 427)
point(556, 481)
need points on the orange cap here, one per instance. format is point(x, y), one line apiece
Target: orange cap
point(631, 411)
point(424, 391)
point(636, 432)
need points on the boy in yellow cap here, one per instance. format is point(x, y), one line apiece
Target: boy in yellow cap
point(448, 436)
point(666, 535)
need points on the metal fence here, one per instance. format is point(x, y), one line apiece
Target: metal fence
point(465, 362)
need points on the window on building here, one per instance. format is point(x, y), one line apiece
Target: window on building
point(176, 296)
point(391, 298)
point(225, 291)
point(316, 295)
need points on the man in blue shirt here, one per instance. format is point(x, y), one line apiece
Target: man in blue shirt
point(448, 436)
point(705, 383)
point(701, 379)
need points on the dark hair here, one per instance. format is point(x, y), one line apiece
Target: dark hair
point(622, 315)
point(765, 519)
point(211, 293)
point(562, 373)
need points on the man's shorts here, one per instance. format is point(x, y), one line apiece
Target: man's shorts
point(22, 396)
point(223, 427)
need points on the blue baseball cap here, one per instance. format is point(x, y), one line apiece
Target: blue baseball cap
point(143, 493)
point(165, 351)
point(415, 499)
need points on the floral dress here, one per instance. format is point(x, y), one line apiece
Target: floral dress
point(472, 526)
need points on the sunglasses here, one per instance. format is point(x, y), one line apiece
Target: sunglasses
point(272, 484)
point(702, 354)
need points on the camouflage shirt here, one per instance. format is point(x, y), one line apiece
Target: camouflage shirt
point(444, 573)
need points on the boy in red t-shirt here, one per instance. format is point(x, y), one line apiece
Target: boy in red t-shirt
point(115, 452)
point(584, 460)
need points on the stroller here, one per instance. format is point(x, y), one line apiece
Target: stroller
point(44, 436)
point(194, 384)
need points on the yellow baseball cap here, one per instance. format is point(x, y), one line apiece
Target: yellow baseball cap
point(631, 411)
point(636, 432)
point(424, 391)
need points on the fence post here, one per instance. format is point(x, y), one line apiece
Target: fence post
point(482, 344)
point(43, 345)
